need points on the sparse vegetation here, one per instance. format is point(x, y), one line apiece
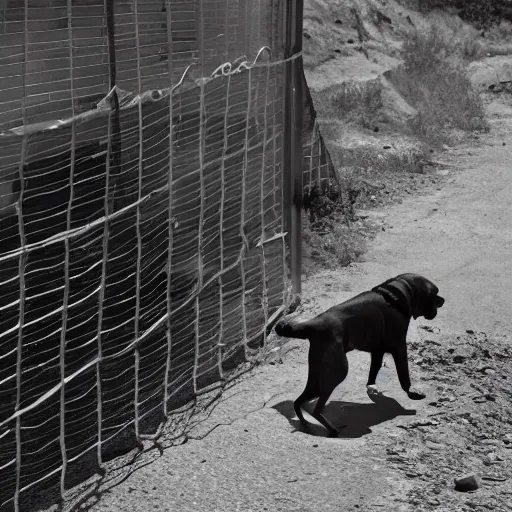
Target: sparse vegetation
point(373, 160)
point(457, 40)
point(498, 39)
point(482, 13)
point(339, 246)
point(333, 233)
point(359, 102)
point(362, 100)
point(501, 31)
point(432, 80)
point(329, 237)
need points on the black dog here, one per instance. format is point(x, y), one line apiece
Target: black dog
point(376, 322)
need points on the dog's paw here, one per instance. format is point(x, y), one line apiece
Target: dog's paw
point(336, 431)
point(373, 390)
point(415, 395)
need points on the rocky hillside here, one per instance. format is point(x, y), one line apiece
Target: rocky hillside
point(356, 107)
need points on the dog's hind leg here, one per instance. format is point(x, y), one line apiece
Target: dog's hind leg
point(335, 372)
point(317, 414)
point(310, 392)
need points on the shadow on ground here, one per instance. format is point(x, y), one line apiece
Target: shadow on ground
point(351, 418)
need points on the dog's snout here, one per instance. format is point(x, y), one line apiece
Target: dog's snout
point(439, 301)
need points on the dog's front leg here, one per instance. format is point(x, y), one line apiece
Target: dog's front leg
point(402, 370)
point(375, 366)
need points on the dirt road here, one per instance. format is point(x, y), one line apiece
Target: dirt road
point(248, 455)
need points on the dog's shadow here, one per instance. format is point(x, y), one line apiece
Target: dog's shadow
point(352, 419)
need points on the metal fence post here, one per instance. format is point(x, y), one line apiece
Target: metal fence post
point(292, 179)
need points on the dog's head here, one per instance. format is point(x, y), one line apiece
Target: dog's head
point(414, 294)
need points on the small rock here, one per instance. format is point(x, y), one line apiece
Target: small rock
point(315, 446)
point(490, 458)
point(387, 146)
point(495, 478)
point(507, 439)
point(486, 354)
point(434, 446)
point(466, 483)
point(293, 479)
point(458, 359)
point(350, 41)
point(504, 143)
point(490, 442)
point(421, 423)
point(338, 22)
point(307, 36)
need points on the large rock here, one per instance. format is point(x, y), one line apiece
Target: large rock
point(348, 69)
point(491, 72)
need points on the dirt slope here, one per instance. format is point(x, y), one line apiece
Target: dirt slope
point(248, 455)
point(463, 232)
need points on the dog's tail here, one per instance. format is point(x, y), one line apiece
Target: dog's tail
point(291, 329)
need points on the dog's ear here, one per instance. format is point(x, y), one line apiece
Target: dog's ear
point(398, 293)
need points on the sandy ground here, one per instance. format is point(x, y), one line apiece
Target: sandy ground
point(248, 454)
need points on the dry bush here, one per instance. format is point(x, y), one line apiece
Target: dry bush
point(329, 237)
point(340, 245)
point(358, 102)
point(501, 31)
point(481, 13)
point(432, 81)
point(498, 39)
point(463, 39)
point(448, 39)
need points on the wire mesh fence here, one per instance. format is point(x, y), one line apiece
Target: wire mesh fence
point(317, 165)
point(143, 225)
